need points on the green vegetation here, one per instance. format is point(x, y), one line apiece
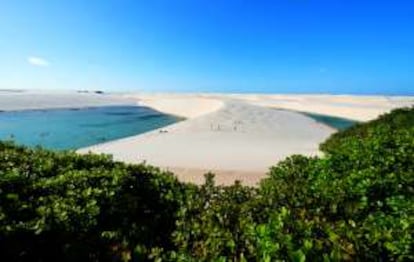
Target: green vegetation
point(355, 203)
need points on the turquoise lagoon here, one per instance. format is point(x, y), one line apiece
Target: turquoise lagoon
point(77, 128)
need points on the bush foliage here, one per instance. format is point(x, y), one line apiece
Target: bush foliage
point(355, 203)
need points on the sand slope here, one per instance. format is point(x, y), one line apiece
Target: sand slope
point(188, 106)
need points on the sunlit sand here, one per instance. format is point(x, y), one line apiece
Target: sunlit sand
point(238, 137)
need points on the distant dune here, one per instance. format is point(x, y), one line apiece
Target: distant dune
point(23, 100)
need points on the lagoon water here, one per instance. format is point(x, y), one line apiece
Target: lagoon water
point(334, 122)
point(337, 123)
point(77, 128)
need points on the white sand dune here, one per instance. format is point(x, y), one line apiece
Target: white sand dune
point(238, 137)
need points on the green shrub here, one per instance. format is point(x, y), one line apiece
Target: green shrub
point(81, 207)
point(355, 203)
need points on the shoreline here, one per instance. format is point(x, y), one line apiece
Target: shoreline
point(40, 109)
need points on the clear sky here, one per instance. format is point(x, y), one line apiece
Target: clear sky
point(279, 46)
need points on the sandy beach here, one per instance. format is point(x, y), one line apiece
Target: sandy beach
point(238, 137)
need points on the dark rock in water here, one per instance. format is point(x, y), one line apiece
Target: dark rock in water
point(99, 92)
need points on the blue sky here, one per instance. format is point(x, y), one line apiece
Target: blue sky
point(280, 46)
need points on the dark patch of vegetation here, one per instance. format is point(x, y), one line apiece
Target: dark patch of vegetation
point(355, 203)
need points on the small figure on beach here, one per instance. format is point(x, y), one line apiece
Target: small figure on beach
point(236, 124)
